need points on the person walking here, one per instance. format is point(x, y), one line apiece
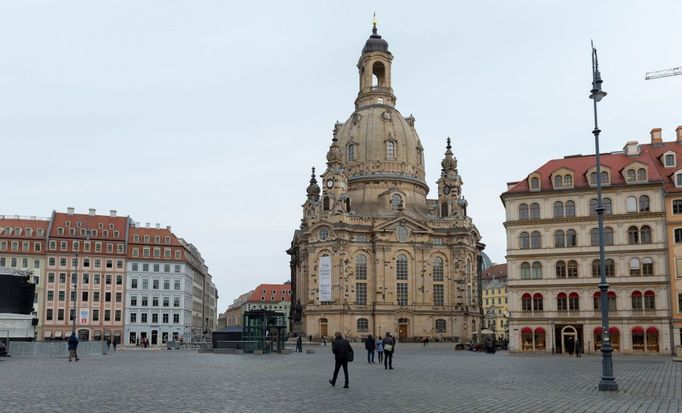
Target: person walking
point(299, 345)
point(324, 341)
point(343, 353)
point(389, 349)
point(380, 349)
point(578, 349)
point(370, 346)
point(570, 345)
point(73, 346)
point(115, 342)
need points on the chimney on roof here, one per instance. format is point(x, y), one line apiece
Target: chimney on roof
point(510, 185)
point(656, 136)
point(146, 224)
point(91, 212)
point(168, 227)
point(631, 148)
point(679, 134)
point(158, 226)
point(69, 211)
point(112, 213)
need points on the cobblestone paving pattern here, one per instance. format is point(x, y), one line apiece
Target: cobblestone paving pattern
point(425, 379)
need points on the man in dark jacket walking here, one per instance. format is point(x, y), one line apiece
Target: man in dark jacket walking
point(73, 346)
point(389, 349)
point(370, 346)
point(341, 349)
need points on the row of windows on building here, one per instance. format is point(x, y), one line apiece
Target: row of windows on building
point(144, 301)
point(14, 262)
point(85, 262)
point(401, 294)
point(146, 251)
point(156, 267)
point(569, 269)
point(147, 239)
point(492, 301)
point(401, 267)
point(165, 317)
point(391, 150)
point(571, 302)
point(50, 315)
point(567, 209)
point(635, 235)
point(91, 233)
point(87, 245)
point(362, 325)
point(156, 284)
point(85, 296)
point(25, 246)
point(643, 340)
point(17, 231)
point(85, 278)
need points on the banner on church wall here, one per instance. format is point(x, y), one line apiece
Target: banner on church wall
point(325, 278)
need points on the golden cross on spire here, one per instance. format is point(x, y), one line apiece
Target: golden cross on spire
point(374, 20)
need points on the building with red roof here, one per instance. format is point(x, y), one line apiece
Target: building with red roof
point(552, 250)
point(273, 297)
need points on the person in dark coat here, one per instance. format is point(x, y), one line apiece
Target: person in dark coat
point(389, 349)
point(341, 349)
point(299, 345)
point(578, 348)
point(370, 346)
point(73, 346)
point(570, 345)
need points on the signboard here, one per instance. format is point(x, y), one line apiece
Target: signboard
point(325, 278)
point(83, 318)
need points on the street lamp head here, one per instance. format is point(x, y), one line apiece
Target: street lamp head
point(596, 94)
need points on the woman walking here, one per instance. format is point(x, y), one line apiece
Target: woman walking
point(389, 349)
point(370, 346)
point(380, 349)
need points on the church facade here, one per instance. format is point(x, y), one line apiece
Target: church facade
point(373, 254)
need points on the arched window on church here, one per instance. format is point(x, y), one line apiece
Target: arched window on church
point(390, 150)
point(401, 267)
point(350, 152)
point(444, 209)
point(396, 201)
point(361, 267)
point(347, 203)
point(325, 203)
point(437, 269)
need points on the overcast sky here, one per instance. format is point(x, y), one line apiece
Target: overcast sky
point(207, 115)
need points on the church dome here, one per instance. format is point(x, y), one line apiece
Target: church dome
point(375, 43)
point(378, 142)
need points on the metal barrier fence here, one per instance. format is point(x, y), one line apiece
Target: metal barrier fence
point(54, 348)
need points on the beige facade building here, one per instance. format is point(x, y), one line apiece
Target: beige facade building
point(552, 247)
point(373, 254)
point(494, 301)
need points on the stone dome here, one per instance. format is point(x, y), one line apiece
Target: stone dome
point(385, 145)
point(375, 43)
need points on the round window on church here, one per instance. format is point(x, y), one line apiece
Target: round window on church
point(324, 234)
point(401, 233)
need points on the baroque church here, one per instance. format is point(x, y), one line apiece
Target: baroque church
point(373, 254)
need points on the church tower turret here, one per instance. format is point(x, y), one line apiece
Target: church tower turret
point(450, 201)
point(375, 72)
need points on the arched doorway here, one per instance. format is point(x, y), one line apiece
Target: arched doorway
point(83, 335)
point(323, 327)
point(652, 340)
point(403, 324)
point(569, 336)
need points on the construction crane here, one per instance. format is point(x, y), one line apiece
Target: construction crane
point(664, 73)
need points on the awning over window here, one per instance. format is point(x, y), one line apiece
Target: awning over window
point(539, 330)
point(598, 330)
point(526, 330)
point(652, 330)
point(613, 330)
point(638, 330)
point(47, 334)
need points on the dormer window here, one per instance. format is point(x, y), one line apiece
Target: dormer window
point(604, 178)
point(558, 181)
point(568, 181)
point(630, 175)
point(669, 160)
point(678, 178)
point(396, 201)
point(535, 183)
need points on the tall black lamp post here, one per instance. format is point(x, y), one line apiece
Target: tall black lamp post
point(608, 381)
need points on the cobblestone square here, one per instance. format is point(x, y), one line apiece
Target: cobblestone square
point(425, 379)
